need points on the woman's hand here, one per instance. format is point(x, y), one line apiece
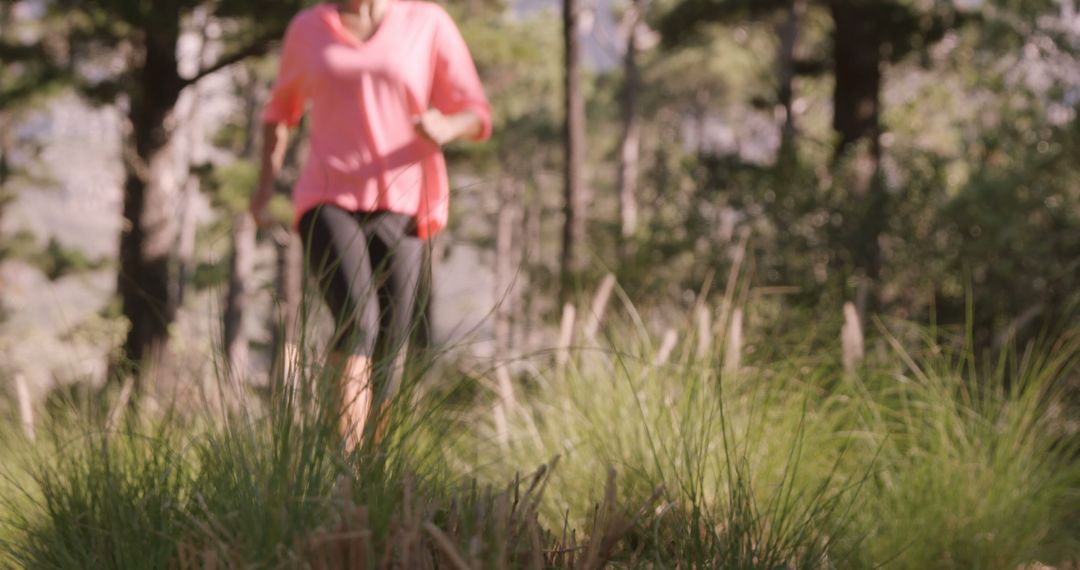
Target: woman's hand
point(275, 139)
point(441, 129)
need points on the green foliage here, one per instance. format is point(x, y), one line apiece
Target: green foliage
point(54, 259)
point(210, 275)
point(233, 184)
point(523, 82)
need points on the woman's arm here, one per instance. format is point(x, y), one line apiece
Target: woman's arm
point(275, 141)
point(441, 129)
point(461, 109)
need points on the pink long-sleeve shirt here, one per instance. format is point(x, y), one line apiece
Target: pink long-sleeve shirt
point(365, 153)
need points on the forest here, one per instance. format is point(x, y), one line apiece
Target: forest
point(733, 284)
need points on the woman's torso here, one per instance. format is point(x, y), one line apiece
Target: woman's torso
point(365, 153)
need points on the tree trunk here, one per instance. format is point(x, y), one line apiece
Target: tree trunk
point(288, 288)
point(575, 195)
point(530, 256)
point(788, 34)
point(241, 266)
point(242, 263)
point(185, 242)
point(630, 145)
point(7, 145)
point(857, 53)
point(150, 189)
point(505, 275)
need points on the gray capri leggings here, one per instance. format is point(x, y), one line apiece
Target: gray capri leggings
point(368, 265)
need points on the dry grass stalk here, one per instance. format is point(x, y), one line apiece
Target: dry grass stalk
point(599, 306)
point(851, 339)
point(26, 408)
point(667, 346)
point(566, 335)
point(447, 547)
point(703, 316)
point(506, 387)
point(611, 525)
point(121, 403)
point(733, 351)
point(738, 257)
point(502, 428)
point(214, 557)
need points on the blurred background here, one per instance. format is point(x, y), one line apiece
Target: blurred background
point(914, 158)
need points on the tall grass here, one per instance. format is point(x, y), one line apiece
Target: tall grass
point(739, 453)
point(244, 489)
point(921, 456)
point(978, 466)
point(924, 458)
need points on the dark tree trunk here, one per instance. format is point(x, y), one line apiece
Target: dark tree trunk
point(788, 34)
point(288, 289)
point(630, 145)
point(575, 195)
point(242, 263)
point(290, 277)
point(7, 145)
point(185, 240)
point(241, 266)
point(149, 229)
point(858, 53)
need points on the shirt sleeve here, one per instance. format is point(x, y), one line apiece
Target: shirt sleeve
point(287, 99)
point(456, 85)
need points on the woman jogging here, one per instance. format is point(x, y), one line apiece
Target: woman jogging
point(388, 82)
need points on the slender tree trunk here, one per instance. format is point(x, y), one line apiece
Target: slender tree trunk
point(857, 120)
point(630, 145)
point(288, 289)
point(530, 256)
point(242, 263)
point(788, 34)
point(149, 230)
point(289, 272)
point(289, 278)
point(289, 284)
point(7, 145)
point(857, 53)
point(575, 195)
point(185, 242)
point(241, 266)
point(505, 286)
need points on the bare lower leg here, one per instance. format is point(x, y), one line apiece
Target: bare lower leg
point(380, 414)
point(356, 396)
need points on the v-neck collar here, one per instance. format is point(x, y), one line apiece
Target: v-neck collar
point(333, 17)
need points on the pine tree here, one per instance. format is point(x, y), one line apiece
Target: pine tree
point(867, 35)
point(575, 194)
point(149, 87)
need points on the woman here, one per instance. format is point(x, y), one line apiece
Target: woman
point(388, 82)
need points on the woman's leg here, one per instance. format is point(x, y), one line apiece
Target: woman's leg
point(397, 256)
point(338, 254)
